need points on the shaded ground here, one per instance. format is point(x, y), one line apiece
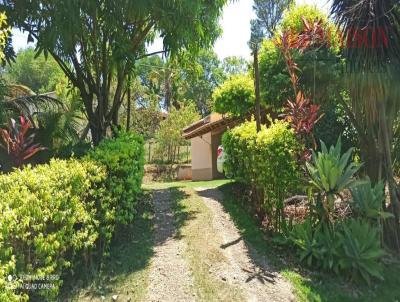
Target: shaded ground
point(244, 268)
point(170, 278)
point(309, 285)
point(196, 244)
point(201, 258)
point(124, 274)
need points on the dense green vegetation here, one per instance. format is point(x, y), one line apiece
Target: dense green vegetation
point(309, 285)
point(266, 161)
point(77, 110)
point(235, 96)
point(64, 213)
point(38, 73)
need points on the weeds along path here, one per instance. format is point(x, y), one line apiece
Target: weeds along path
point(170, 278)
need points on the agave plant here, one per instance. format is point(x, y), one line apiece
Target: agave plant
point(331, 173)
point(367, 200)
point(19, 146)
point(361, 250)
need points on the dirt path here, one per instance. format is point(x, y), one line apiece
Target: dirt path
point(244, 268)
point(170, 278)
point(239, 269)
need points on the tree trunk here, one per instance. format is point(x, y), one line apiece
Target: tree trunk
point(392, 186)
point(257, 89)
point(128, 110)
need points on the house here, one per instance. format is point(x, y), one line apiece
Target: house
point(205, 137)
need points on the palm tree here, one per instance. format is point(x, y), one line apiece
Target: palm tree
point(54, 120)
point(373, 84)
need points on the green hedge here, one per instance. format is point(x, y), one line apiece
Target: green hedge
point(265, 160)
point(62, 213)
point(124, 160)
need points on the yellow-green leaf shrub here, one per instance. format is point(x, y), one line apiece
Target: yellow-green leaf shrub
point(48, 216)
point(124, 160)
point(266, 160)
point(55, 215)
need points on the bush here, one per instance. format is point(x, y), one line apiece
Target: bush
point(62, 213)
point(47, 216)
point(235, 96)
point(352, 248)
point(265, 160)
point(123, 158)
point(326, 240)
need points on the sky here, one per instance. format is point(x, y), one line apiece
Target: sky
point(235, 24)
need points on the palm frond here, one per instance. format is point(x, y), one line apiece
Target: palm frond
point(29, 105)
point(369, 17)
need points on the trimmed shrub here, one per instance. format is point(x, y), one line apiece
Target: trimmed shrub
point(47, 217)
point(265, 160)
point(123, 158)
point(56, 215)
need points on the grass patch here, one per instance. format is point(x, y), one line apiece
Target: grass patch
point(186, 184)
point(309, 286)
point(194, 224)
point(125, 272)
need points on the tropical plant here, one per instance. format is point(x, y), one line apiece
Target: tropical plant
point(360, 250)
point(374, 96)
point(367, 200)
point(301, 114)
point(235, 96)
point(302, 236)
point(352, 247)
point(330, 173)
point(19, 146)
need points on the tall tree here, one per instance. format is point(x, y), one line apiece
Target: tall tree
point(234, 66)
point(38, 73)
point(375, 95)
point(96, 43)
point(199, 76)
point(255, 43)
point(269, 13)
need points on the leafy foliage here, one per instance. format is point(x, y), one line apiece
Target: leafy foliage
point(48, 217)
point(361, 250)
point(353, 248)
point(235, 96)
point(19, 146)
point(113, 36)
point(61, 214)
point(301, 114)
point(330, 171)
point(269, 13)
point(169, 136)
point(235, 66)
point(266, 160)
point(123, 158)
point(367, 200)
point(4, 32)
point(319, 65)
point(38, 73)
